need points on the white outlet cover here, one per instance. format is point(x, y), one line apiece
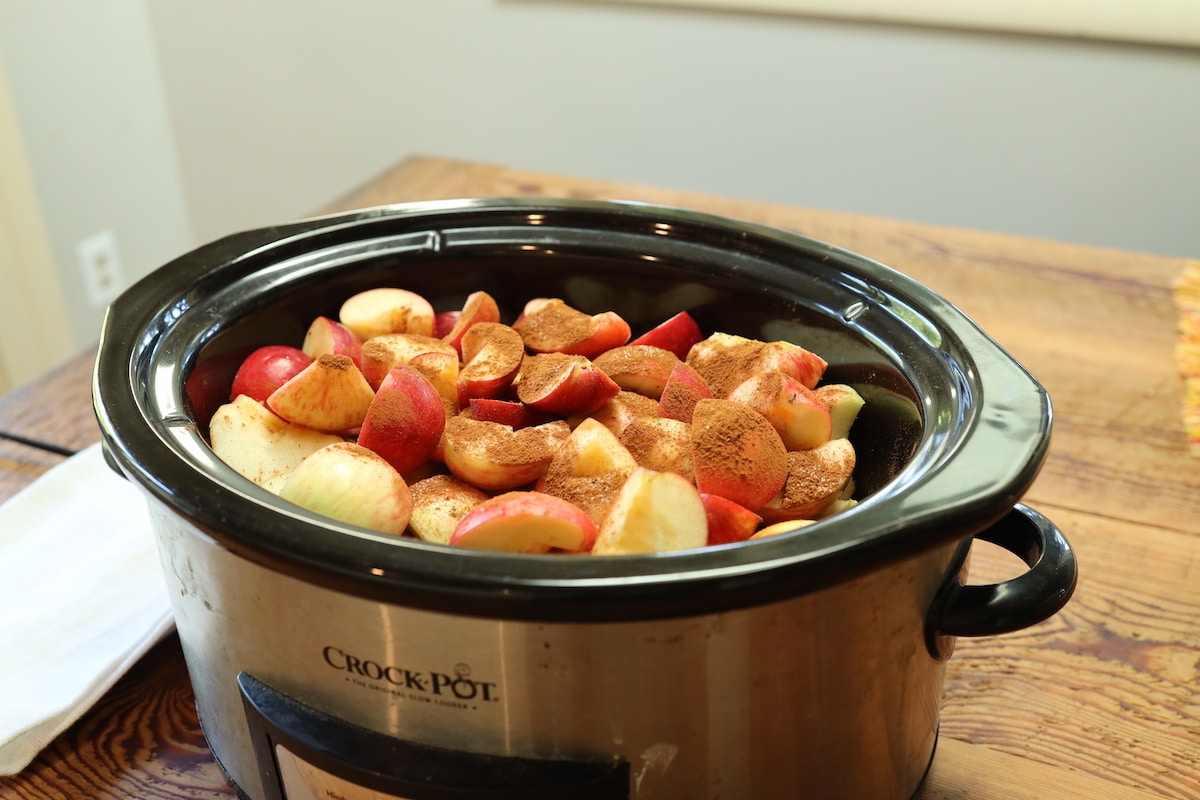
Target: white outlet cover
point(100, 265)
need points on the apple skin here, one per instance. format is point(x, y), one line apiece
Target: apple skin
point(328, 336)
point(512, 413)
point(794, 410)
point(736, 453)
point(676, 334)
point(660, 444)
point(330, 394)
point(525, 522)
point(349, 483)
point(562, 384)
point(728, 522)
point(683, 389)
point(266, 369)
point(654, 512)
point(478, 307)
point(375, 312)
point(260, 445)
point(404, 422)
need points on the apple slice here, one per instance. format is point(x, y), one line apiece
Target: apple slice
point(381, 353)
point(660, 444)
point(638, 368)
point(588, 469)
point(439, 504)
point(792, 408)
point(781, 527)
point(492, 355)
point(525, 522)
point(725, 360)
point(330, 394)
point(562, 384)
point(843, 404)
point(512, 413)
point(348, 482)
point(441, 369)
point(549, 325)
point(328, 336)
point(258, 444)
point(404, 422)
point(815, 480)
point(478, 307)
point(683, 389)
point(728, 522)
point(736, 453)
point(616, 413)
point(375, 312)
point(496, 458)
point(653, 513)
point(444, 322)
point(266, 369)
point(676, 334)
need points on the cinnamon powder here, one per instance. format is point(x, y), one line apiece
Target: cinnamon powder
point(554, 326)
point(724, 367)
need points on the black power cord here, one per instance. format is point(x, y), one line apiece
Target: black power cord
point(38, 444)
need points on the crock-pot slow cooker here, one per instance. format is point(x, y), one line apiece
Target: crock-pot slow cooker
point(332, 662)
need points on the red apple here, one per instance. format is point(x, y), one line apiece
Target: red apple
point(405, 421)
point(815, 479)
point(563, 384)
point(330, 394)
point(588, 469)
point(512, 413)
point(792, 408)
point(676, 334)
point(347, 482)
point(444, 321)
point(548, 325)
point(260, 445)
point(478, 307)
point(736, 453)
point(728, 522)
point(683, 389)
point(660, 444)
point(496, 458)
point(327, 336)
point(439, 504)
point(525, 522)
point(375, 312)
point(381, 353)
point(843, 404)
point(654, 512)
point(266, 369)
point(638, 368)
point(492, 355)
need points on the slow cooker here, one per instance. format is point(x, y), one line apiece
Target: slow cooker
point(332, 662)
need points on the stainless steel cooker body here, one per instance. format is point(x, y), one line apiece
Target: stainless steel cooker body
point(332, 661)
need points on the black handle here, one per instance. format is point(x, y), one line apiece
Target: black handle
point(1030, 598)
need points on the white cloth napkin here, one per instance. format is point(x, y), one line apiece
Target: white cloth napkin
point(82, 597)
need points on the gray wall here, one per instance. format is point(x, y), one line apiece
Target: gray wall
point(251, 113)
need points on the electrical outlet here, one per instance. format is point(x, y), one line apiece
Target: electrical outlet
point(101, 267)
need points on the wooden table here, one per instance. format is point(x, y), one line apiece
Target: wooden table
point(1100, 702)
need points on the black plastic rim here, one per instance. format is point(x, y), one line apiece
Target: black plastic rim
point(980, 434)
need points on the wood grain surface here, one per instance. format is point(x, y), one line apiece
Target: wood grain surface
point(1102, 701)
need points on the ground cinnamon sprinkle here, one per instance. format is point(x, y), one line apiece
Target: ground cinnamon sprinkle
point(812, 477)
point(490, 350)
point(337, 363)
point(594, 494)
point(723, 367)
point(739, 443)
point(553, 325)
point(541, 372)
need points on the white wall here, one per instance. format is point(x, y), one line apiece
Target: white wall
point(87, 91)
point(180, 122)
